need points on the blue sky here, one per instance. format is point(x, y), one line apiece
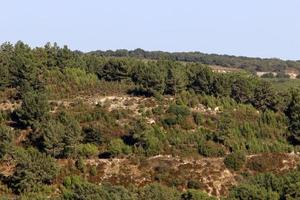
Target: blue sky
point(262, 28)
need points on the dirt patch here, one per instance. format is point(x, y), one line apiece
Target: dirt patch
point(9, 106)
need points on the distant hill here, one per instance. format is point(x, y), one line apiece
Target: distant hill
point(247, 63)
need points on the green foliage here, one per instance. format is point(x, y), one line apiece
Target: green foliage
point(221, 86)
point(253, 116)
point(235, 161)
point(178, 110)
point(79, 77)
point(150, 78)
point(196, 195)
point(6, 138)
point(211, 149)
point(32, 169)
point(34, 107)
point(176, 78)
point(244, 192)
point(268, 186)
point(244, 129)
point(247, 63)
point(118, 147)
point(78, 189)
point(158, 192)
point(73, 133)
point(177, 114)
point(59, 137)
point(70, 81)
point(51, 137)
point(264, 97)
point(201, 79)
point(87, 150)
point(6, 51)
point(150, 140)
point(293, 113)
point(242, 90)
point(115, 70)
point(24, 68)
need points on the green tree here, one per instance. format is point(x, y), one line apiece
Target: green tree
point(201, 79)
point(242, 90)
point(34, 108)
point(6, 53)
point(6, 138)
point(176, 78)
point(115, 69)
point(52, 135)
point(264, 97)
point(26, 73)
point(221, 86)
point(150, 78)
point(73, 133)
point(32, 169)
point(293, 114)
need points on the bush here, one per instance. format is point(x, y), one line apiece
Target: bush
point(196, 195)
point(87, 150)
point(32, 169)
point(34, 108)
point(6, 138)
point(80, 165)
point(211, 149)
point(78, 189)
point(179, 110)
point(245, 191)
point(266, 162)
point(235, 161)
point(117, 147)
point(158, 192)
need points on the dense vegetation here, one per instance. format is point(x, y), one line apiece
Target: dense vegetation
point(196, 112)
point(247, 63)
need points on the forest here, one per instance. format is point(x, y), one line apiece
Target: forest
point(144, 125)
point(241, 62)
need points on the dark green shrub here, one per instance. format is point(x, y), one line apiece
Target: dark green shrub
point(158, 192)
point(179, 110)
point(32, 169)
point(235, 161)
point(245, 191)
point(87, 150)
point(193, 194)
point(211, 149)
point(6, 138)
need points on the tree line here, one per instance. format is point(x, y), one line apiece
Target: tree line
point(242, 62)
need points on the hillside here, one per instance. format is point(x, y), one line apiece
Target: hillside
point(86, 126)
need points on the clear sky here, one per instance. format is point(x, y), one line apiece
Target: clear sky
point(263, 28)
